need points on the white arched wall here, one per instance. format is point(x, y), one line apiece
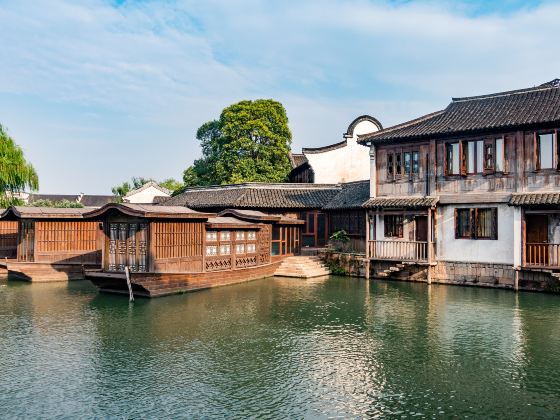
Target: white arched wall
point(346, 163)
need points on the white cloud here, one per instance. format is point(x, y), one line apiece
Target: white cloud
point(127, 86)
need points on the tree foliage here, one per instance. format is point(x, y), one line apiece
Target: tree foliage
point(250, 142)
point(61, 204)
point(16, 174)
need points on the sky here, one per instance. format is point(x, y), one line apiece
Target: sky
point(96, 91)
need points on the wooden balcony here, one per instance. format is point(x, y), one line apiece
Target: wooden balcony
point(400, 250)
point(542, 255)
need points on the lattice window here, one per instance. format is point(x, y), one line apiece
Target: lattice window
point(251, 235)
point(211, 250)
point(251, 248)
point(225, 235)
point(211, 236)
point(225, 249)
point(240, 235)
point(240, 249)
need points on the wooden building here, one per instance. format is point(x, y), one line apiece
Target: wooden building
point(299, 201)
point(49, 244)
point(173, 249)
point(470, 191)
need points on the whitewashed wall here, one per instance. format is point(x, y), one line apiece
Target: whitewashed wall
point(502, 251)
point(145, 196)
point(346, 164)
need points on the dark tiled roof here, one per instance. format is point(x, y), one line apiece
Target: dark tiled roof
point(352, 195)
point(255, 196)
point(401, 202)
point(322, 149)
point(25, 212)
point(97, 200)
point(505, 110)
point(53, 197)
point(535, 199)
point(297, 159)
point(150, 211)
point(85, 200)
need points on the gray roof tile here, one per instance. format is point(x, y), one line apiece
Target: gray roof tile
point(504, 110)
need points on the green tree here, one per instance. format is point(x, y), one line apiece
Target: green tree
point(124, 188)
point(249, 143)
point(16, 174)
point(170, 184)
point(61, 204)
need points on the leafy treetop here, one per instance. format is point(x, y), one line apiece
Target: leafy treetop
point(250, 142)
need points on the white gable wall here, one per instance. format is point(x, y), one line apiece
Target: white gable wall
point(345, 164)
point(145, 196)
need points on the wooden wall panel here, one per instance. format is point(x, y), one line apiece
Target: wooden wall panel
point(72, 242)
point(177, 239)
point(8, 239)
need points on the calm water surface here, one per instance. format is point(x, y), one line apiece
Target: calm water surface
point(279, 348)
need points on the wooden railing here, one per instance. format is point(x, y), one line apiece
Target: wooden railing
point(400, 250)
point(542, 255)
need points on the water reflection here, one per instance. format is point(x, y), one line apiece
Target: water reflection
point(279, 347)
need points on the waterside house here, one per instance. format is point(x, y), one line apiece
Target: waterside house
point(470, 194)
point(49, 244)
point(174, 249)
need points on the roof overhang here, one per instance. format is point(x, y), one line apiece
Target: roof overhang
point(540, 199)
point(23, 212)
point(401, 202)
point(149, 211)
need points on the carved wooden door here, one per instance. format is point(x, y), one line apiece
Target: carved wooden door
point(127, 246)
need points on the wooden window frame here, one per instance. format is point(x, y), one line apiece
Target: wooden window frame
point(489, 165)
point(503, 155)
point(393, 226)
point(537, 148)
point(398, 164)
point(448, 152)
point(390, 166)
point(407, 173)
point(473, 223)
point(415, 173)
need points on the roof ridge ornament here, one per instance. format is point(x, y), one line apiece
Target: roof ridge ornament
point(553, 83)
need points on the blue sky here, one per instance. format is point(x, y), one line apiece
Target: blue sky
point(99, 91)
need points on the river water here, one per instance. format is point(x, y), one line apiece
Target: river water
point(279, 348)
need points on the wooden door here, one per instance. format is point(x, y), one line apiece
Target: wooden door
point(27, 242)
point(422, 228)
point(536, 228)
point(315, 230)
point(127, 246)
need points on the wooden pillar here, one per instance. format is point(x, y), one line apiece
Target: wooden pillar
point(367, 259)
point(372, 171)
point(430, 245)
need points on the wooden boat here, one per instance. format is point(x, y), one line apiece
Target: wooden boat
point(173, 249)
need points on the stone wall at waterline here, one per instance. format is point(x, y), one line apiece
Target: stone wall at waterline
point(500, 276)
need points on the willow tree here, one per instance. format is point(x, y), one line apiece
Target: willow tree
point(16, 174)
point(249, 142)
